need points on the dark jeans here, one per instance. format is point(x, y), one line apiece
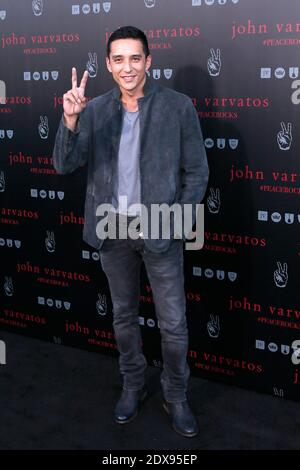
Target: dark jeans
point(121, 261)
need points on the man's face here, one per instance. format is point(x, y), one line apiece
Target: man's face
point(128, 64)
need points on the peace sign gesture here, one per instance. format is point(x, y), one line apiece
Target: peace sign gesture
point(284, 137)
point(214, 201)
point(281, 275)
point(92, 65)
point(74, 100)
point(214, 62)
point(43, 127)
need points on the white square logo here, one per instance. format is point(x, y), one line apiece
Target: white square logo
point(265, 72)
point(75, 10)
point(197, 271)
point(259, 344)
point(262, 215)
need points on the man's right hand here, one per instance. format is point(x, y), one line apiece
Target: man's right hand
point(74, 100)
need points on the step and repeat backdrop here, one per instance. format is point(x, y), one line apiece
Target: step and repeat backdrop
point(238, 60)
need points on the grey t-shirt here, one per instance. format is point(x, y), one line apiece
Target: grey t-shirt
point(128, 164)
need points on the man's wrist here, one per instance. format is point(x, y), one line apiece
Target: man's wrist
point(70, 122)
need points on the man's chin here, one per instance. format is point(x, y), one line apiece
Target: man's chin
point(129, 85)
point(132, 86)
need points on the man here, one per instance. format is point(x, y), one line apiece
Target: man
point(142, 141)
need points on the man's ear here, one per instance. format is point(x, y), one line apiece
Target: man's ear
point(108, 64)
point(148, 62)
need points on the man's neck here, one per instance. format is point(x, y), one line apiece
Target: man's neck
point(129, 99)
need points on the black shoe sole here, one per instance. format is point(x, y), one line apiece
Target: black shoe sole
point(141, 402)
point(194, 434)
point(126, 421)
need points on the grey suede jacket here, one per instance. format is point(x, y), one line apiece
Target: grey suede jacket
point(173, 163)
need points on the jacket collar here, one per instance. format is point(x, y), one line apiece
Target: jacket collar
point(149, 88)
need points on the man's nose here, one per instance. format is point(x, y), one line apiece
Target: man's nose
point(127, 66)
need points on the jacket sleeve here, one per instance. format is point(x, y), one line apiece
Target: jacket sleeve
point(194, 167)
point(71, 149)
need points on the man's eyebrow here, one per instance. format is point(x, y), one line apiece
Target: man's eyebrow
point(117, 56)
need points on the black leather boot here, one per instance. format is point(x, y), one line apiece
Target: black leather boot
point(129, 404)
point(183, 420)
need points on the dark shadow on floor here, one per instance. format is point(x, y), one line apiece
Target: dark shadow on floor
point(58, 397)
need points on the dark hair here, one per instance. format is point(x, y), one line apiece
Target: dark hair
point(128, 32)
